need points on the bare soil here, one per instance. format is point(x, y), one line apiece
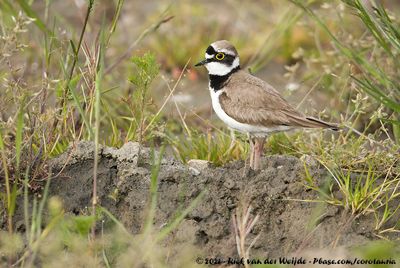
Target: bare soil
point(289, 222)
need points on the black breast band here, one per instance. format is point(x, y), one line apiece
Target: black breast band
point(217, 81)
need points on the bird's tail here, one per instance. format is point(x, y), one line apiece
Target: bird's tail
point(309, 122)
point(319, 123)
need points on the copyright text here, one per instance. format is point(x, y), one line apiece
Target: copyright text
point(292, 261)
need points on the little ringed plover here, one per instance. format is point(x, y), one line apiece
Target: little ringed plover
point(248, 104)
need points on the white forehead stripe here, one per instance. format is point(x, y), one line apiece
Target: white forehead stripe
point(228, 52)
point(208, 56)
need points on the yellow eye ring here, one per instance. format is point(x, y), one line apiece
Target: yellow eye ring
point(220, 56)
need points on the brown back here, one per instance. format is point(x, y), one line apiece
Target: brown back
point(250, 100)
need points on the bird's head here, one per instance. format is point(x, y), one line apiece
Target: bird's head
point(221, 58)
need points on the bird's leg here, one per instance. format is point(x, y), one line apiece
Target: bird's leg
point(258, 151)
point(246, 169)
point(233, 140)
point(251, 142)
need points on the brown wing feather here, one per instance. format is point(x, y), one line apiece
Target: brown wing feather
point(250, 100)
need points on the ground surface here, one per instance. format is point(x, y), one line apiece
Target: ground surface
point(285, 226)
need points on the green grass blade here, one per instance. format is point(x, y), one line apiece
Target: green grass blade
point(153, 190)
point(113, 218)
point(355, 57)
point(81, 111)
point(115, 19)
point(41, 205)
point(5, 168)
point(7, 184)
point(387, 26)
point(18, 138)
point(369, 20)
point(377, 94)
point(26, 206)
point(178, 219)
point(14, 194)
point(8, 7)
point(67, 87)
point(31, 13)
point(97, 107)
point(373, 80)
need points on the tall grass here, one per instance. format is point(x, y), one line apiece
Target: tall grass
point(75, 96)
point(243, 224)
point(33, 135)
point(147, 70)
point(218, 148)
point(98, 87)
point(64, 239)
point(376, 68)
point(60, 102)
point(9, 197)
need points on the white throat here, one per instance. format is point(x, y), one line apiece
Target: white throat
point(217, 68)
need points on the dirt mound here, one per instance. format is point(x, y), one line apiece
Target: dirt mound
point(286, 223)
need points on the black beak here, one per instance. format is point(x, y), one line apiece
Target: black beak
point(202, 62)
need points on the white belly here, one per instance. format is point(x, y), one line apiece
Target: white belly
point(259, 131)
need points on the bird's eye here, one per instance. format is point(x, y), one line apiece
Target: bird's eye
point(220, 56)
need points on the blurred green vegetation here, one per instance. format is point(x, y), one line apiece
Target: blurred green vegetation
point(67, 75)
